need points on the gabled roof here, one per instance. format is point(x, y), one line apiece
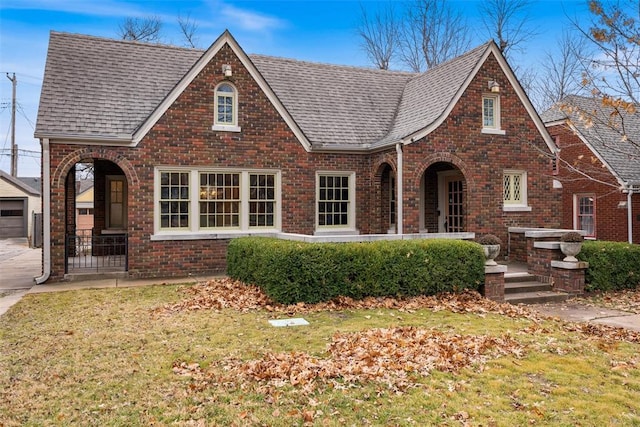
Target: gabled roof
point(112, 91)
point(602, 133)
point(26, 184)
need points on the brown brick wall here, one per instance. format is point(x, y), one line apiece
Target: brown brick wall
point(183, 137)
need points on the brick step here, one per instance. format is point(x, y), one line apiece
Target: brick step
point(525, 286)
point(536, 297)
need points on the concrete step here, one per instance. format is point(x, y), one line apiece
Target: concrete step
point(540, 297)
point(519, 277)
point(526, 286)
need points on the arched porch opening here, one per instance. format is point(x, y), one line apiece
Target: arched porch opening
point(101, 245)
point(387, 201)
point(444, 200)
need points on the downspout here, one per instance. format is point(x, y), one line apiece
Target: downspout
point(629, 215)
point(399, 196)
point(46, 214)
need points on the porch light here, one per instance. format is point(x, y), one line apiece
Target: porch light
point(494, 86)
point(226, 70)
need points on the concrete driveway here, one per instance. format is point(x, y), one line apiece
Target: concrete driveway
point(19, 264)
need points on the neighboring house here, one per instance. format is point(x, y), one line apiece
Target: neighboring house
point(599, 168)
point(19, 200)
point(84, 206)
point(192, 148)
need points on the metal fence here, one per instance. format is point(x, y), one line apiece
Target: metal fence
point(97, 254)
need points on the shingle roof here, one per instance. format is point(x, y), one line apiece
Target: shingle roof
point(27, 184)
point(602, 132)
point(103, 88)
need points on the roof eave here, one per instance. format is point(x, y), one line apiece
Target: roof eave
point(21, 185)
point(67, 138)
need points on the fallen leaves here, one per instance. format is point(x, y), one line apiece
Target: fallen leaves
point(225, 293)
point(396, 357)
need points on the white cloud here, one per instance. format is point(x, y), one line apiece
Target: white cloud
point(249, 20)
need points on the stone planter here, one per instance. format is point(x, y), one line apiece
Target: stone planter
point(490, 254)
point(570, 250)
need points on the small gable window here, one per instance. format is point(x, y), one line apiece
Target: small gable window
point(491, 114)
point(226, 108)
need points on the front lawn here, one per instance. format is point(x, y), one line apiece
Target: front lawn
point(207, 355)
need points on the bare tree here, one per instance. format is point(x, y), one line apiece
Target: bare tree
point(560, 71)
point(189, 30)
point(432, 33)
point(614, 32)
point(141, 29)
point(507, 22)
point(612, 73)
point(380, 35)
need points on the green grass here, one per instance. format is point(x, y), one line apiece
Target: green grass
point(100, 357)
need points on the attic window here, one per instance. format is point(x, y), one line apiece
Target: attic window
point(491, 114)
point(226, 108)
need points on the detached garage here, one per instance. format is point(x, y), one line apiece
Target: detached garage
point(19, 199)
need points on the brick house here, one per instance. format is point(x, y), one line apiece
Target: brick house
point(599, 169)
point(191, 148)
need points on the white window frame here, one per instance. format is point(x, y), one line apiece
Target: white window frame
point(516, 206)
point(576, 213)
point(350, 227)
point(194, 231)
point(225, 126)
point(496, 128)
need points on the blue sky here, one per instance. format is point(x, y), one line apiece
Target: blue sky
point(322, 31)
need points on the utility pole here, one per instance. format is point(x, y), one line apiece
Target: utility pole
point(14, 147)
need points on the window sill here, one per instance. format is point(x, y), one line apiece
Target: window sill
point(113, 231)
point(516, 208)
point(210, 236)
point(226, 128)
point(494, 131)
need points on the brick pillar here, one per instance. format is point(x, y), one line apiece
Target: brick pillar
point(494, 282)
point(568, 276)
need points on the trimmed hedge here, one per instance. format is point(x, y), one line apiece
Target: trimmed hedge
point(612, 265)
point(291, 272)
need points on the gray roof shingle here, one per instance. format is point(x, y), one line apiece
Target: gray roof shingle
point(104, 88)
point(603, 133)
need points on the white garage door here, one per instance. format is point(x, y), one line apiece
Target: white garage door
point(12, 218)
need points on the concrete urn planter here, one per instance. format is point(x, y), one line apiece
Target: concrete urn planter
point(570, 250)
point(490, 254)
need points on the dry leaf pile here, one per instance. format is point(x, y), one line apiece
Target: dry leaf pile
point(225, 293)
point(397, 357)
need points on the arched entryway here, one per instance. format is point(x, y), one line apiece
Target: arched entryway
point(387, 201)
point(102, 246)
point(443, 191)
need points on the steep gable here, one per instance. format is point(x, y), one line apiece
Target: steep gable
point(600, 132)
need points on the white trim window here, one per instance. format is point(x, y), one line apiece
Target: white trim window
point(197, 202)
point(174, 200)
point(514, 190)
point(226, 108)
point(584, 213)
point(491, 114)
point(335, 195)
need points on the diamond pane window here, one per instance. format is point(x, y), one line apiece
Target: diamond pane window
point(513, 188)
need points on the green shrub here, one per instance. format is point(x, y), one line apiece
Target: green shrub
point(612, 265)
point(291, 272)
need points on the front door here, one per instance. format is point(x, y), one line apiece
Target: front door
point(451, 202)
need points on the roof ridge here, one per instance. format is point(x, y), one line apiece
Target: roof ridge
point(328, 64)
point(128, 42)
